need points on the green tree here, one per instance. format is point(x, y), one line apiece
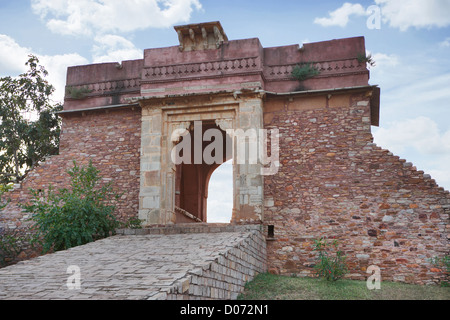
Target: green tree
point(3, 189)
point(29, 125)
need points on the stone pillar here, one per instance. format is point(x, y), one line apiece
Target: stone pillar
point(248, 179)
point(150, 183)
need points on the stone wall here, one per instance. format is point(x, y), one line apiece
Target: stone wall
point(111, 139)
point(225, 274)
point(335, 182)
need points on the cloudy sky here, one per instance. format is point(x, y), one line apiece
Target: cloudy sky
point(409, 40)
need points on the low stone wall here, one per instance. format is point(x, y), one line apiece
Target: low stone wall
point(225, 275)
point(192, 262)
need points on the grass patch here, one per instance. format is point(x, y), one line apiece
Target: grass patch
point(274, 287)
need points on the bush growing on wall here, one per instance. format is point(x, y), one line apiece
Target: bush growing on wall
point(330, 266)
point(75, 216)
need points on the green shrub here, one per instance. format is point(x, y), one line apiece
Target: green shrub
point(77, 93)
point(330, 266)
point(363, 58)
point(443, 263)
point(304, 71)
point(75, 216)
point(132, 223)
point(3, 189)
point(12, 242)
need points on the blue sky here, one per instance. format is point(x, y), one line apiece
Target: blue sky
point(411, 49)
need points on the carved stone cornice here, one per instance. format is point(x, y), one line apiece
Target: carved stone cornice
point(201, 36)
point(204, 69)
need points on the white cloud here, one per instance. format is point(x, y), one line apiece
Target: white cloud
point(90, 17)
point(13, 58)
point(385, 60)
point(415, 13)
point(420, 133)
point(340, 16)
point(445, 43)
point(399, 14)
point(57, 70)
point(419, 140)
point(114, 48)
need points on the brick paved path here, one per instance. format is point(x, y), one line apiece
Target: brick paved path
point(153, 266)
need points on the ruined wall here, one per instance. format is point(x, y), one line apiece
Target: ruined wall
point(335, 182)
point(110, 139)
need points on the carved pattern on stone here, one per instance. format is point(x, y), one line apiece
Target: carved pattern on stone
point(326, 68)
point(205, 38)
point(192, 36)
point(218, 36)
point(180, 39)
point(171, 72)
point(106, 87)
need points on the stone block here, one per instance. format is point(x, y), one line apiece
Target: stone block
point(340, 100)
point(309, 103)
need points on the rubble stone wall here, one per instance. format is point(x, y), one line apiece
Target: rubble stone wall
point(334, 182)
point(110, 139)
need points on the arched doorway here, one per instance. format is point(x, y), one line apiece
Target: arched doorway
point(172, 192)
point(192, 177)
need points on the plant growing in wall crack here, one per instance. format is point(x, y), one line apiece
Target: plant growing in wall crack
point(444, 264)
point(330, 266)
point(75, 216)
point(364, 58)
point(77, 93)
point(304, 71)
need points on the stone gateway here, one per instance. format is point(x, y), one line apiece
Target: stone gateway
point(330, 179)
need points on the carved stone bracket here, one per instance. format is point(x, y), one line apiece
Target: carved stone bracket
point(201, 36)
point(218, 36)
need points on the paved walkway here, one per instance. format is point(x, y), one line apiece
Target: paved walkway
point(121, 267)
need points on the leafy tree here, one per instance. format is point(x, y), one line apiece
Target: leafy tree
point(3, 189)
point(24, 142)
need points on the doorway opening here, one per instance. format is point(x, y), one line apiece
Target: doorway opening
point(220, 194)
point(192, 178)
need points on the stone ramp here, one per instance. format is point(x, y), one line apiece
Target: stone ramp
point(193, 262)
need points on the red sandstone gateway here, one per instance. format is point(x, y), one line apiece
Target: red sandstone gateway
point(332, 180)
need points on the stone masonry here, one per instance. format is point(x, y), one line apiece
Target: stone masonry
point(331, 180)
point(203, 262)
point(334, 182)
